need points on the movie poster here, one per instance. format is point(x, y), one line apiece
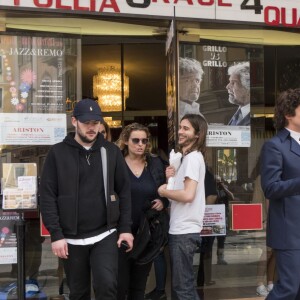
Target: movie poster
point(215, 80)
point(37, 76)
point(171, 89)
point(8, 239)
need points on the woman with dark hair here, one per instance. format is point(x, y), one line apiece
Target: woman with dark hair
point(105, 130)
point(146, 173)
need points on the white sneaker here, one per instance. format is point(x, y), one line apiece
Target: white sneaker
point(270, 287)
point(262, 291)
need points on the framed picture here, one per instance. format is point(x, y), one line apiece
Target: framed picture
point(19, 186)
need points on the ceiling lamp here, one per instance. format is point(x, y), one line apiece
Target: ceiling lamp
point(107, 86)
point(112, 123)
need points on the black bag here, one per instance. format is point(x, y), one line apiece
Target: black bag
point(222, 197)
point(151, 237)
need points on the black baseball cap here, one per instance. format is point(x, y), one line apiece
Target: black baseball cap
point(87, 110)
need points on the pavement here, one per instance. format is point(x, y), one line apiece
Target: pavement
point(237, 280)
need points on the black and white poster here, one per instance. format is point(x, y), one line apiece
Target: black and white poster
point(215, 80)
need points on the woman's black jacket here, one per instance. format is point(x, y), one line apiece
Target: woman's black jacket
point(156, 168)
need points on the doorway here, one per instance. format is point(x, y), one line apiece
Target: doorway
point(144, 97)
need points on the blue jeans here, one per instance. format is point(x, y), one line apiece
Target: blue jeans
point(182, 250)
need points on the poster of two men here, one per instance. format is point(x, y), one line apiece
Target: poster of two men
point(217, 82)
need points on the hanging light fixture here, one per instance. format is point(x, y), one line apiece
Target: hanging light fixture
point(107, 86)
point(112, 123)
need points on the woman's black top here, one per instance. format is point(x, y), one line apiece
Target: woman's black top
point(143, 191)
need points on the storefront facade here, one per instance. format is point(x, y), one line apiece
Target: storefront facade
point(53, 53)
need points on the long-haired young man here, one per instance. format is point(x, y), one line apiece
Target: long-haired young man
point(187, 204)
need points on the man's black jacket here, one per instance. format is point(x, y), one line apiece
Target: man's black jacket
point(59, 188)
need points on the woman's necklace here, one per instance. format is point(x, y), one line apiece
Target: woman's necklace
point(136, 168)
point(138, 171)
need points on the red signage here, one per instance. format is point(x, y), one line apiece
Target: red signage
point(44, 231)
point(270, 12)
point(246, 216)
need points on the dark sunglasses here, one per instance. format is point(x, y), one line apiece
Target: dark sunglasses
point(137, 141)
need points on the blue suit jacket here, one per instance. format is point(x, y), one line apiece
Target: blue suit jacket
point(280, 178)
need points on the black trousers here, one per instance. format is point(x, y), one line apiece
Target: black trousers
point(100, 259)
point(132, 278)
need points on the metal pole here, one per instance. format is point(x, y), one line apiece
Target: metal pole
point(20, 226)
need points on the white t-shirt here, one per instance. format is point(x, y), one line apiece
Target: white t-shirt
point(188, 217)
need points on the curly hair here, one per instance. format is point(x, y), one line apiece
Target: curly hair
point(285, 105)
point(200, 126)
point(125, 135)
point(243, 70)
point(190, 65)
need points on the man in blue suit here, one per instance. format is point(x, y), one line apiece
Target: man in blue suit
point(280, 174)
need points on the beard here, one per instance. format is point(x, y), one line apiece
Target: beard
point(84, 138)
point(188, 141)
point(232, 99)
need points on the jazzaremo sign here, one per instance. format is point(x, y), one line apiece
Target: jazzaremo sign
point(271, 12)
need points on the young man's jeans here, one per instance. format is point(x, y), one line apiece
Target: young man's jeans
point(182, 250)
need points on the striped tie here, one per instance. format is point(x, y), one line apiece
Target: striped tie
point(236, 117)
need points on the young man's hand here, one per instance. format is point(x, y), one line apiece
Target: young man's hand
point(60, 248)
point(128, 238)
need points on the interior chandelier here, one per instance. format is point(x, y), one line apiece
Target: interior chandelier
point(112, 123)
point(107, 86)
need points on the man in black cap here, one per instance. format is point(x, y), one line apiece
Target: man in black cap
point(86, 205)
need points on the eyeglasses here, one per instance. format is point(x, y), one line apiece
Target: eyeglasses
point(137, 141)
